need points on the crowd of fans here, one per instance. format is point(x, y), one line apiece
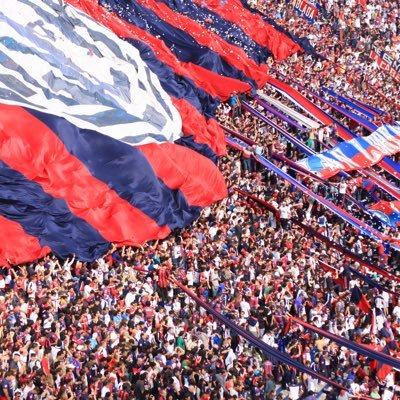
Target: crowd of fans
point(344, 38)
point(120, 328)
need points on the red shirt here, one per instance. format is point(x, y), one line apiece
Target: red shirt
point(163, 275)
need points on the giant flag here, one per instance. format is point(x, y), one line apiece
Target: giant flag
point(74, 98)
point(389, 211)
point(71, 94)
point(358, 153)
point(76, 191)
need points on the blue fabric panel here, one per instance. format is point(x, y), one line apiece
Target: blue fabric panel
point(356, 107)
point(315, 164)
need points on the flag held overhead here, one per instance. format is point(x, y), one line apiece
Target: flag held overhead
point(359, 299)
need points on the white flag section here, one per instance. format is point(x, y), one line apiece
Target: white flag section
point(300, 118)
point(283, 93)
point(56, 59)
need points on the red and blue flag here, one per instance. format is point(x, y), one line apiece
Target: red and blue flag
point(107, 117)
point(359, 299)
point(357, 153)
point(389, 211)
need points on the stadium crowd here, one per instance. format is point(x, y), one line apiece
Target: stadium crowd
point(344, 39)
point(121, 328)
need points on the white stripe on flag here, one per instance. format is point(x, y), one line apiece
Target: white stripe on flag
point(300, 118)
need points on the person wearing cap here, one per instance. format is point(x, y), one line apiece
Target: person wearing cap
point(17, 395)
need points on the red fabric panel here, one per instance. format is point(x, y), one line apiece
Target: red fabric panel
point(198, 178)
point(214, 84)
point(230, 53)
point(280, 45)
point(327, 267)
point(193, 123)
point(364, 305)
point(30, 147)
point(383, 371)
point(386, 206)
point(215, 128)
point(20, 246)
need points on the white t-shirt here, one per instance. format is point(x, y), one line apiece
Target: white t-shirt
point(190, 278)
point(342, 187)
point(213, 231)
point(396, 312)
point(245, 307)
point(387, 395)
point(285, 212)
point(294, 392)
point(129, 299)
point(380, 302)
point(2, 283)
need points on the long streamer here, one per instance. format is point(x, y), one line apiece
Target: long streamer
point(368, 107)
point(346, 252)
point(349, 114)
point(327, 241)
point(371, 282)
point(349, 103)
point(299, 144)
point(360, 225)
point(366, 279)
point(262, 100)
point(268, 350)
point(358, 348)
point(268, 206)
